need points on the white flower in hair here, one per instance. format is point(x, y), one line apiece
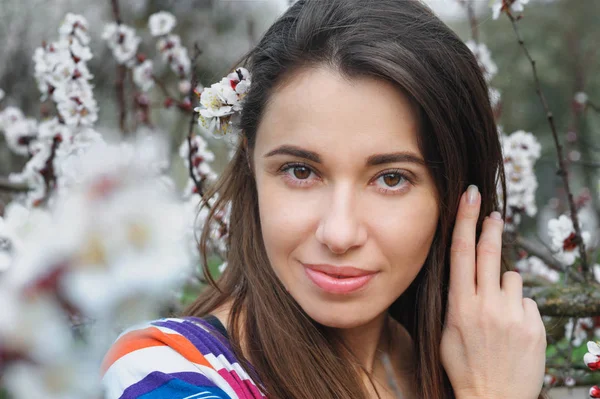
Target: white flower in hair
point(222, 101)
point(161, 23)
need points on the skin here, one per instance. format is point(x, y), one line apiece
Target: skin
point(494, 340)
point(337, 211)
point(340, 210)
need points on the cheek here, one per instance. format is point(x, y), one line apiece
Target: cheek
point(285, 219)
point(405, 230)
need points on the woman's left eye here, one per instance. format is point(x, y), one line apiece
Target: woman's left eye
point(392, 182)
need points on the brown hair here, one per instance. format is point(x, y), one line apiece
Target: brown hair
point(401, 42)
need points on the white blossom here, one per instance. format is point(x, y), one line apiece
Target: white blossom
point(76, 104)
point(143, 75)
point(79, 51)
point(20, 134)
point(184, 86)
point(581, 98)
point(13, 228)
point(201, 157)
point(570, 381)
point(174, 54)
point(180, 62)
point(165, 44)
point(123, 42)
point(51, 128)
point(592, 357)
point(161, 23)
point(495, 96)
point(501, 5)
point(484, 59)
point(582, 330)
point(549, 380)
point(562, 234)
point(76, 26)
point(537, 267)
point(520, 151)
point(222, 101)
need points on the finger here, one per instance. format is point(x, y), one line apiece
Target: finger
point(462, 251)
point(532, 313)
point(489, 251)
point(512, 288)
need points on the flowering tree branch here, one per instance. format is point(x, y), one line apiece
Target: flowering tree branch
point(546, 256)
point(574, 300)
point(562, 168)
point(193, 122)
point(121, 75)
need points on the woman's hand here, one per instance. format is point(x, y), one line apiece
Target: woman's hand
point(494, 341)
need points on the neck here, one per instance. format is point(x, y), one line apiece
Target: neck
point(368, 342)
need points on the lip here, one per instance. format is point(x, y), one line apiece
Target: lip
point(326, 277)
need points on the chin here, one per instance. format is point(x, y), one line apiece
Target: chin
point(340, 315)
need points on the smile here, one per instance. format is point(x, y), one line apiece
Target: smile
point(338, 280)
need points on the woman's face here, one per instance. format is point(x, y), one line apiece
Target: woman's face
point(348, 209)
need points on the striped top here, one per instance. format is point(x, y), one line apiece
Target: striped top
point(178, 358)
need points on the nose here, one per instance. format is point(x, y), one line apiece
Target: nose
point(340, 227)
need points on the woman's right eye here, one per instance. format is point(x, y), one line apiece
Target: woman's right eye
point(297, 174)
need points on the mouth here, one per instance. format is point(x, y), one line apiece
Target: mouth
point(338, 279)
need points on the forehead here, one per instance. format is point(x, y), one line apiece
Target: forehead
point(321, 109)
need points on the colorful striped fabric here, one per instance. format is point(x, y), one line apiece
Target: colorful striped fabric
point(179, 358)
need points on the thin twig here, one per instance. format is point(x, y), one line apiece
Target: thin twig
point(162, 87)
point(562, 170)
point(121, 75)
point(593, 106)
point(120, 89)
point(116, 11)
point(472, 21)
point(48, 172)
point(192, 124)
point(193, 120)
point(7, 185)
point(533, 249)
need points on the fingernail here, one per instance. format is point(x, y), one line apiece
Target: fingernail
point(472, 193)
point(496, 215)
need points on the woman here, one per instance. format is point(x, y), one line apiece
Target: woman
point(351, 240)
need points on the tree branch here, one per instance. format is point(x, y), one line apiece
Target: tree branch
point(121, 75)
point(562, 169)
point(574, 300)
point(546, 256)
point(193, 121)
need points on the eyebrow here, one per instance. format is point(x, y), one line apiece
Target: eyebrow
point(373, 160)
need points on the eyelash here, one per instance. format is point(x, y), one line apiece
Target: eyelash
point(299, 182)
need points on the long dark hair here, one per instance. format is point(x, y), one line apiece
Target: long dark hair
point(402, 42)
